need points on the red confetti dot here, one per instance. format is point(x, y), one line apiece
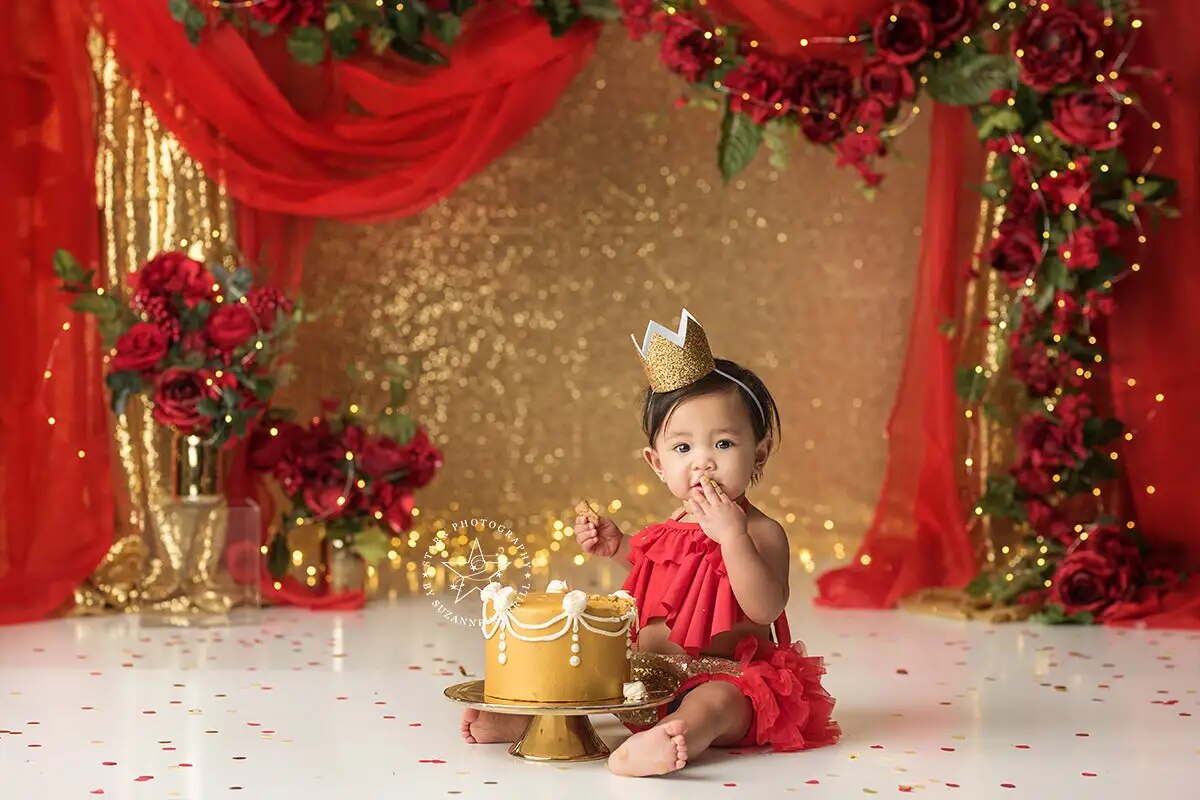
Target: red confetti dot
point(414, 666)
point(901, 672)
point(948, 749)
point(1021, 746)
point(343, 698)
point(952, 785)
point(143, 778)
point(108, 763)
point(729, 784)
point(185, 764)
point(388, 716)
point(876, 747)
point(1088, 774)
point(414, 724)
point(1083, 734)
point(96, 791)
point(1008, 785)
point(812, 782)
point(905, 788)
point(432, 761)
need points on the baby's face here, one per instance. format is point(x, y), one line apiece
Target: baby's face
point(707, 435)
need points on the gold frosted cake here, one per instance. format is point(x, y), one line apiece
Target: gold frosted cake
point(558, 645)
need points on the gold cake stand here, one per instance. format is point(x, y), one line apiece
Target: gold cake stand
point(557, 731)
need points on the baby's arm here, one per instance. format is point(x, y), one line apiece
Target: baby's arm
point(758, 563)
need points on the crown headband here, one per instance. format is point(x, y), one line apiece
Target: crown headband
point(674, 359)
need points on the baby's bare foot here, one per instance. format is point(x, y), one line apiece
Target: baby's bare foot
point(485, 727)
point(660, 750)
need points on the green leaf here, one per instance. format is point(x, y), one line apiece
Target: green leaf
point(101, 306)
point(307, 45)
point(122, 385)
point(419, 52)
point(279, 556)
point(999, 498)
point(1004, 120)
point(948, 327)
point(979, 586)
point(773, 135)
point(968, 80)
point(179, 9)
point(1101, 430)
point(739, 142)
point(371, 544)
point(407, 24)
point(400, 427)
point(969, 384)
point(209, 407)
point(1054, 614)
point(1157, 187)
point(447, 28)
point(603, 10)
point(111, 330)
point(67, 268)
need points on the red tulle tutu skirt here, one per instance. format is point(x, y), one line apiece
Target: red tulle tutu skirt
point(791, 709)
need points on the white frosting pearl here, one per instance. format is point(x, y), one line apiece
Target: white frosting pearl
point(557, 586)
point(574, 602)
point(502, 658)
point(575, 648)
point(489, 591)
point(622, 593)
point(503, 645)
point(574, 661)
point(504, 598)
point(634, 691)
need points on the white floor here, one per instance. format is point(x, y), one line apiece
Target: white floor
point(330, 705)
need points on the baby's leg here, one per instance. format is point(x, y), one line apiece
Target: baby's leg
point(713, 713)
point(485, 727)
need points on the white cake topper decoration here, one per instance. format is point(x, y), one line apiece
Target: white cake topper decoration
point(556, 586)
point(574, 602)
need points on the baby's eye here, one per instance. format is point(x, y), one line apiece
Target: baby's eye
point(677, 450)
point(725, 441)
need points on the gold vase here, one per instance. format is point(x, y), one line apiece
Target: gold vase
point(195, 469)
point(345, 570)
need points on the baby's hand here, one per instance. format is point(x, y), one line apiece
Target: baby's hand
point(597, 536)
point(720, 518)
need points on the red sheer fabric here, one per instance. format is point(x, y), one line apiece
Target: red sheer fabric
point(56, 514)
point(1155, 332)
point(918, 537)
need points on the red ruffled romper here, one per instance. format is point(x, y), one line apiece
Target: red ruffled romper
point(678, 573)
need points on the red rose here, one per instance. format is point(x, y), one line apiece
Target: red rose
point(1016, 251)
point(1079, 250)
point(951, 19)
point(1113, 544)
point(394, 504)
point(857, 150)
point(1082, 119)
point(173, 273)
point(640, 17)
point(383, 456)
point(1048, 521)
point(1087, 582)
point(423, 459)
point(1050, 444)
point(1066, 313)
point(159, 310)
point(884, 85)
point(1058, 46)
point(686, 51)
point(266, 450)
point(1033, 367)
point(904, 33)
point(266, 303)
point(1096, 304)
point(176, 393)
point(282, 13)
point(822, 93)
point(757, 86)
point(140, 348)
point(230, 326)
point(322, 499)
point(1071, 187)
point(353, 439)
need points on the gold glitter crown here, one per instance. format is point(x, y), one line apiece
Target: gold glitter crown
point(674, 359)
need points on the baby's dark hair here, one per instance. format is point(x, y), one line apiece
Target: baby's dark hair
point(657, 407)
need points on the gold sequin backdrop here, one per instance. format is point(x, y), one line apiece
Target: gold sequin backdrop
point(521, 289)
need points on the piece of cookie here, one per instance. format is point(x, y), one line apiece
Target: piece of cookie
point(584, 510)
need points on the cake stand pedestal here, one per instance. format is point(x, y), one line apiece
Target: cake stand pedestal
point(557, 731)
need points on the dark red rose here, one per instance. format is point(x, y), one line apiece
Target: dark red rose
point(758, 88)
point(383, 456)
point(951, 19)
point(1065, 309)
point(322, 499)
point(1083, 119)
point(1113, 544)
point(159, 310)
point(140, 348)
point(173, 273)
point(1107, 232)
point(265, 303)
point(1087, 582)
point(904, 33)
point(1048, 444)
point(284, 13)
point(686, 51)
point(640, 17)
point(1033, 367)
point(1048, 521)
point(393, 505)
point(176, 393)
point(423, 460)
point(1058, 46)
point(822, 94)
point(230, 326)
point(269, 444)
point(884, 86)
point(1017, 251)
point(1097, 304)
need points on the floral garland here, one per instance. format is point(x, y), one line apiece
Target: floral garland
point(411, 29)
point(1048, 85)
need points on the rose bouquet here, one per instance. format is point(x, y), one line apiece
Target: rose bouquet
point(202, 345)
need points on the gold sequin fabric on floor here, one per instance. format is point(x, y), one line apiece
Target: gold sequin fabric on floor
point(520, 291)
